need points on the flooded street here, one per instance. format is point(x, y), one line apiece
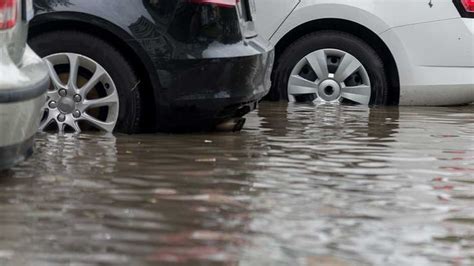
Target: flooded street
point(301, 185)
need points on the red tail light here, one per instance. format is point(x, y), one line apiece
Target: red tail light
point(220, 3)
point(468, 5)
point(7, 14)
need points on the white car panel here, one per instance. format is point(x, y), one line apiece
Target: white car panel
point(306, 11)
point(25, 124)
point(425, 45)
point(377, 15)
point(24, 81)
point(432, 45)
point(269, 19)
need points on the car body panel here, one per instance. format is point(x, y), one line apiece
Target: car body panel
point(377, 15)
point(159, 33)
point(432, 45)
point(25, 123)
point(441, 73)
point(13, 41)
point(268, 24)
point(426, 47)
point(23, 82)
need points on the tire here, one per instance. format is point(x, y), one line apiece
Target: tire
point(320, 40)
point(121, 72)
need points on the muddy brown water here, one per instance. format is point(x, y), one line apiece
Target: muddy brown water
point(301, 185)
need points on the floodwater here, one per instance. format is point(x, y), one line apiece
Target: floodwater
point(301, 185)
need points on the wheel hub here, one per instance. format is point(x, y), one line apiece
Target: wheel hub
point(330, 75)
point(329, 90)
point(66, 105)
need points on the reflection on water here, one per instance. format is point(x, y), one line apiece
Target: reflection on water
point(301, 185)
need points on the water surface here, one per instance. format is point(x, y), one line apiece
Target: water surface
point(301, 185)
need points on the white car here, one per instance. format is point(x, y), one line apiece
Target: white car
point(24, 81)
point(407, 52)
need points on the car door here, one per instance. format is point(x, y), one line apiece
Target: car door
point(270, 14)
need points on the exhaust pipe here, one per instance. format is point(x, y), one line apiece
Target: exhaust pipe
point(231, 125)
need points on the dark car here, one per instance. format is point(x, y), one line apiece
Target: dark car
point(134, 65)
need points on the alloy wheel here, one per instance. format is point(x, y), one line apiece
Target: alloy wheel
point(82, 96)
point(330, 75)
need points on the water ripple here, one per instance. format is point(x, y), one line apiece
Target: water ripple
point(301, 185)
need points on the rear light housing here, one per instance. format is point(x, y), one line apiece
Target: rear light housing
point(219, 3)
point(468, 5)
point(465, 7)
point(8, 14)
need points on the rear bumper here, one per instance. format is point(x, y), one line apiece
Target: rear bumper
point(441, 73)
point(13, 154)
point(19, 122)
point(22, 94)
point(439, 86)
point(227, 84)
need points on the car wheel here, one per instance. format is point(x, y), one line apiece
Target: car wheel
point(93, 85)
point(330, 66)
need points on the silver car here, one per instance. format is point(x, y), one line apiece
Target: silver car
point(23, 84)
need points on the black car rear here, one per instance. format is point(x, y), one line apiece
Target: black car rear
point(199, 62)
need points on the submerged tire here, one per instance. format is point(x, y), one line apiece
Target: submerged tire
point(328, 52)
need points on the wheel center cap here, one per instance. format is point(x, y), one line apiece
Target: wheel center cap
point(66, 105)
point(329, 90)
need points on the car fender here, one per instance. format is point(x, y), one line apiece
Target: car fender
point(376, 15)
point(308, 11)
point(100, 25)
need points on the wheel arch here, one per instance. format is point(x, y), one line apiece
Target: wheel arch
point(357, 30)
point(119, 38)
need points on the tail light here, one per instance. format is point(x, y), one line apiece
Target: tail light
point(219, 3)
point(468, 5)
point(7, 14)
point(465, 7)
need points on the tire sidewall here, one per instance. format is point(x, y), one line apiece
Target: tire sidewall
point(332, 40)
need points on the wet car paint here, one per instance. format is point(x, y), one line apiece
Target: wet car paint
point(23, 84)
point(200, 64)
